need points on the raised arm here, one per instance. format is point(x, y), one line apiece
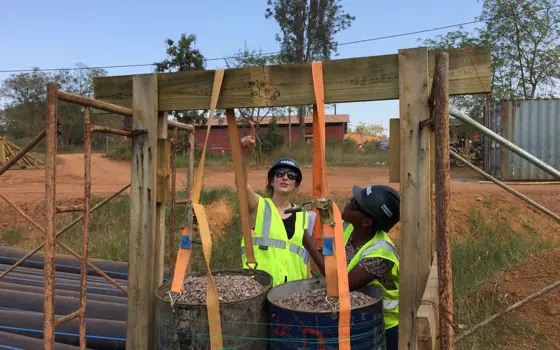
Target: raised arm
point(247, 145)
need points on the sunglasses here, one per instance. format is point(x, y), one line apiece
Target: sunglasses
point(292, 175)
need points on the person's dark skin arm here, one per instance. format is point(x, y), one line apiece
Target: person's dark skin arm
point(357, 278)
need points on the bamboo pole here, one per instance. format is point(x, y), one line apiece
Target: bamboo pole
point(85, 226)
point(23, 151)
point(506, 187)
point(64, 246)
point(181, 126)
point(64, 229)
point(50, 216)
point(107, 130)
point(67, 318)
point(440, 95)
point(90, 102)
point(69, 208)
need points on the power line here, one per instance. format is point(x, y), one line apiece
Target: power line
point(270, 53)
point(230, 57)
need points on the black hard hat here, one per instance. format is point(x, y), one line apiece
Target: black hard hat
point(381, 203)
point(286, 162)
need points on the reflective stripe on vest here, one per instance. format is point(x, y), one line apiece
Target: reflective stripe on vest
point(390, 304)
point(380, 244)
point(265, 240)
point(345, 226)
point(300, 251)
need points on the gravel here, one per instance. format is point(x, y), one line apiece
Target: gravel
point(315, 301)
point(229, 287)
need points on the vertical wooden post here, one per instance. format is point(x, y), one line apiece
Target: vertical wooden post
point(443, 193)
point(190, 169)
point(163, 195)
point(415, 189)
point(172, 203)
point(50, 216)
point(142, 212)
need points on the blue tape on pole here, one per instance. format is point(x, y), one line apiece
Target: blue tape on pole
point(328, 248)
point(185, 242)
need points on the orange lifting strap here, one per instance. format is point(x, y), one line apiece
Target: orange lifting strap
point(183, 256)
point(240, 182)
point(335, 260)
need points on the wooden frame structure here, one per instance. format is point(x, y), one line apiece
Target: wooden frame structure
point(406, 76)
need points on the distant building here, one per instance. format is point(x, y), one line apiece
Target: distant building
point(335, 129)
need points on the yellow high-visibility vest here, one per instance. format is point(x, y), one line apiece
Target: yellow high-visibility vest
point(284, 259)
point(380, 246)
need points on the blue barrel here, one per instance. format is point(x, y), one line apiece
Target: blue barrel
point(292, 329)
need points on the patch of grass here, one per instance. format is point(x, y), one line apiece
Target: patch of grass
point(492, 247)
point(10, 236)
point(338, 153)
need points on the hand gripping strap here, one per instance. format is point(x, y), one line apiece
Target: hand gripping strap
point(240, 183)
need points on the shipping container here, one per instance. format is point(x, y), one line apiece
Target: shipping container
point(533, 125)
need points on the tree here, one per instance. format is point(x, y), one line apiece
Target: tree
point(78, 81)
point(24, 95)
point(183, 56)
point(370, 130)
point(25, 101)
point(307, 32)
point(272, 139)
point(525, 39)
point(247, 116)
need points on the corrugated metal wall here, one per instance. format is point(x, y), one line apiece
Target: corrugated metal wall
point(533, 125)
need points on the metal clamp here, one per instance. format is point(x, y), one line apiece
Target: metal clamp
point(323, 205)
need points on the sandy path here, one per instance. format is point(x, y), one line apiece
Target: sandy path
point(109, 175)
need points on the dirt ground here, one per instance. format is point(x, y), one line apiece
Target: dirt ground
point(27, 188)
point(529, 277)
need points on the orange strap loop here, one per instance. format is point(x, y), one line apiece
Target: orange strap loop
point(240, 183)
point(335, 265)
point(183, 256)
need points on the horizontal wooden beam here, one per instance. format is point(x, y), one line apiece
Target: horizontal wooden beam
point(347, 80)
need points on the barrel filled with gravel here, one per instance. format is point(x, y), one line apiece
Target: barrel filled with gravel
point(182, 319)
point(302, 316)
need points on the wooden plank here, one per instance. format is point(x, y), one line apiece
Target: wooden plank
point(395, 151)
point(415, 189)
point(427, 319)
point(347, 80)
point(139, 328)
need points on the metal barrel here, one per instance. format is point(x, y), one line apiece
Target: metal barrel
point(185, 326)
point(291, 329)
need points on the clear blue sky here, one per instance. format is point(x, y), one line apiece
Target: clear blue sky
point(55, 34)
